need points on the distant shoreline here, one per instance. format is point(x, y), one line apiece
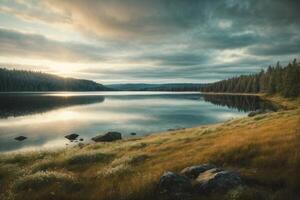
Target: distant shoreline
point(230, 93)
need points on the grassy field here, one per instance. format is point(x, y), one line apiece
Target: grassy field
point(264, 149)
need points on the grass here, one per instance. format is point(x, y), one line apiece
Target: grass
point(41, 180)
point(263, 149)
point(45, 185)
point(87, 158)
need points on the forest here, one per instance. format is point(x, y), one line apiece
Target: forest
point(21, 80)
point(157, 87)
point(276, 79)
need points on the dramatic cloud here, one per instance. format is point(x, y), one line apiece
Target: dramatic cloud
point(16, 44)
point(158, 40)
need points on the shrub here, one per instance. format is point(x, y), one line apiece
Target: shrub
point(43, 165)
point(246, 193)
point(41, 180)
point(114, 170)
point(22, 158)
point(88, 157)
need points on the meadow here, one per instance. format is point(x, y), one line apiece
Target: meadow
point(264, 149)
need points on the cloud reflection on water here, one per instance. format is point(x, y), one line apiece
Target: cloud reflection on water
point(143, 113)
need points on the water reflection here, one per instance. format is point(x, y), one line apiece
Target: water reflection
point(245, 103)
point(45, 118)
point(19, 104)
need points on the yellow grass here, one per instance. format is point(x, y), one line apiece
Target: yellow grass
point(264, 149)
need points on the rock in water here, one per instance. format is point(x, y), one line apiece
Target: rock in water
point(194, 171)
point(108, 137)
point(171, 184)
point(72, 136)
point(132, 133)
point(20, 138)
point(217, 180)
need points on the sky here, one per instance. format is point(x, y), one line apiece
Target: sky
point(148, 41)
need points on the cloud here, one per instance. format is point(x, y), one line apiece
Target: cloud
point(34, 10)
point(133, 19)
point(161, 40)
point(18, 44)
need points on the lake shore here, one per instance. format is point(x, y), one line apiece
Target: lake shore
point(230, 93)
point(257, 147)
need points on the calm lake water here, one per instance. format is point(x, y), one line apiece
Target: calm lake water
point(45, 118)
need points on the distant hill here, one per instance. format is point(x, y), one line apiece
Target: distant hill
point(157, 87)
point(21, 80)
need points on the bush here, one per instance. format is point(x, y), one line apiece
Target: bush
point(23, 158)
point(41, 180)
point(88, 157)
point(246, 193)
point(44, 165)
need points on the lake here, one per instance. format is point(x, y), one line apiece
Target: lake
point(45, 118)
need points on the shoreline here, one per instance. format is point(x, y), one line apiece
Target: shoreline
point(63, 148)
point(230, 93)
point(251, 146)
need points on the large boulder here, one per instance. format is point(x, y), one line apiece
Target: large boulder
point(194, 171)
point(173, 184)
point(72, 136)
point(108, 137)
point(197, 181)
point(217, 180)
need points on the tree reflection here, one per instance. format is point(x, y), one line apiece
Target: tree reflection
point(244, 103)
point(13, 105)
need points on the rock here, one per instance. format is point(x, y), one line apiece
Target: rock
point(139, 159)
point(171, 183)
point(132, 133)
point(253, 113)
point(81, 139)
point(175, 129)
point(217, 180)
point(258, 112)
point(108, 137)
point(72, 136)
point(80, 145)
point(20, 138)
point(194, 171)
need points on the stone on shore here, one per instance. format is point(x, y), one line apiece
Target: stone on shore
point(108, 137)
point(258, 112)
point(196, 181)
point(172, 183)
point(194, 171)
point(217, 180)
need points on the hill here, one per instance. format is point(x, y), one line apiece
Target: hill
point(21, 80)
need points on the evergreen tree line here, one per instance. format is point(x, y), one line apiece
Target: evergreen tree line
point(20, 80)
point(176, 87)
point(276, 79)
